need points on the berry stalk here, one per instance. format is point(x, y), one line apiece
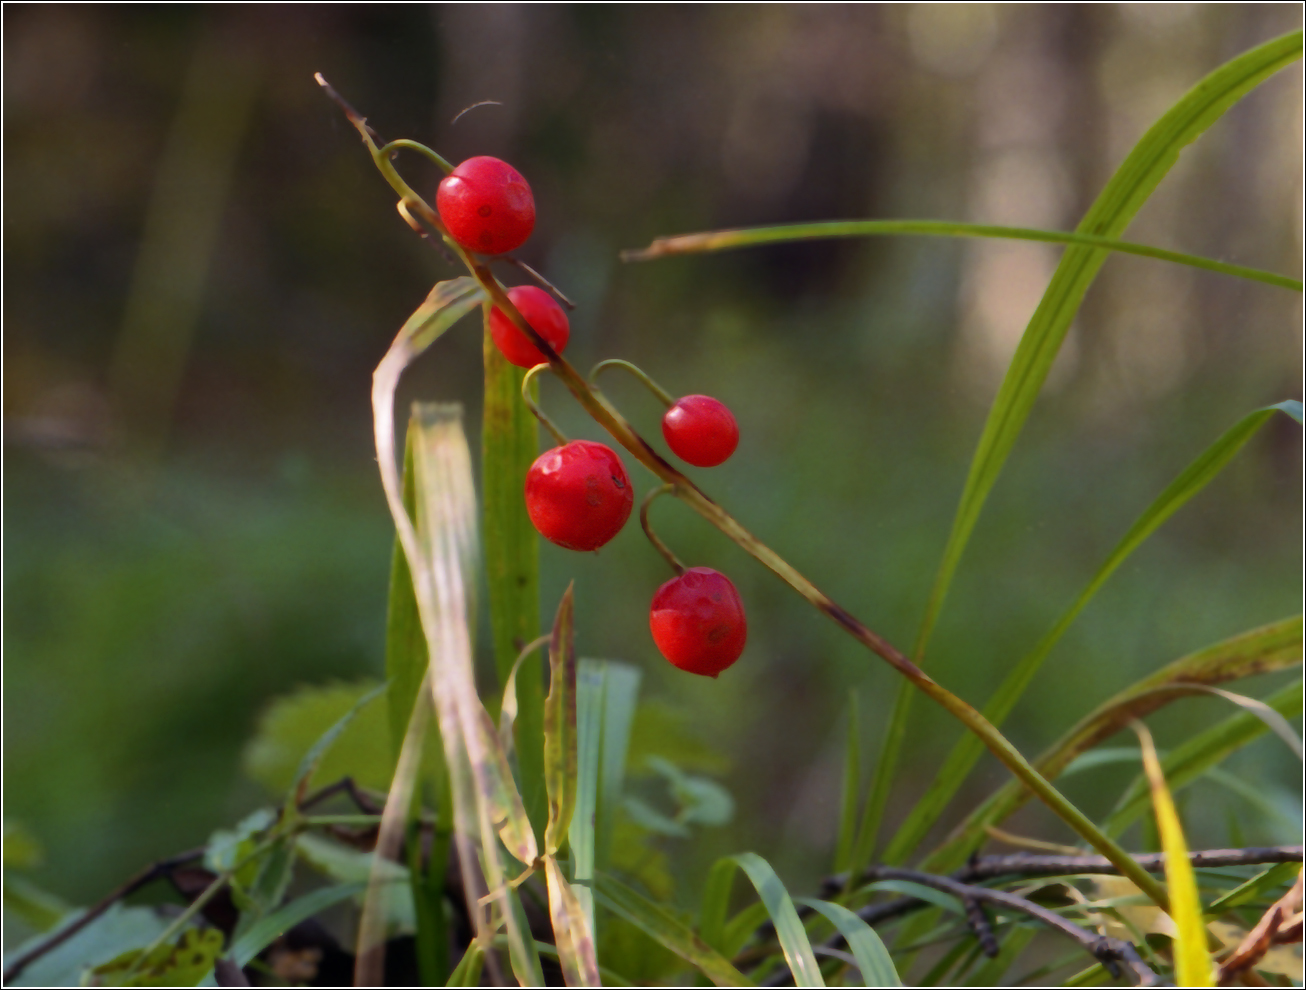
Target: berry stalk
point(607, 416)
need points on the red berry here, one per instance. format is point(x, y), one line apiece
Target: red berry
point(698, 621)
point(579, 495)
point(486, 205)
point(700, 430)
point(542, 313)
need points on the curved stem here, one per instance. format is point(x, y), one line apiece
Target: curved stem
point(535, 409)
point(658, 545)
point(607, 416)
point(663, 395)
point(394, 146)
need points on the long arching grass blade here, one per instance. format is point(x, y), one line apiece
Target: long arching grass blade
point(872, 957)
point(1109, 215)
point(1273, 647)
point(968, 749)
point(1192, 960)
point(560, 727)
point(1193, 757)
point(729, 240)
point(789, 928)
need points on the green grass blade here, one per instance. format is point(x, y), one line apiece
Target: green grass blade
point(661, 926)
point(1109, 215)
point(969, 748)
point(620, 694)
point(560, 727)
point(788, 926)
point(304, 775)
point(727, 240)
point(590, 684)
point(1276, 876)
point(991, 972)
point(269, 928)
point(509, 445)
point(852, 786)
point(872, 957)
point(715, 901)
point(741, 929)
point(1192, 960)
point(1189, 760)
point(1273, 647)
point(468, 971)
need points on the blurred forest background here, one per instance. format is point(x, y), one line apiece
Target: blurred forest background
point(202, 268)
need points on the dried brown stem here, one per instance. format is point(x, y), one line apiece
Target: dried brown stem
point(1283, 914)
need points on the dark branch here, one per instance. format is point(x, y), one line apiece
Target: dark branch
point(979, 924)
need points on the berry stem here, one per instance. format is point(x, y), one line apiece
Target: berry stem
point(540, 280)
point(394, 146)
point(658, 545)
point(607, 416)
point(535, 409)
point(663, 395)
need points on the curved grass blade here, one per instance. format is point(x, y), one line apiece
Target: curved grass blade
point(788, 927)
point(1189, 760)
point(1109, 215)
point(872, 957)
point(1192, 960)
point(1276, 876)
point(728, 240)
point(405, 646)
point(968, 749)
point(560, 726)
point(656, 922)
point(1273, 647)
point(468, 971)
point(509, 444)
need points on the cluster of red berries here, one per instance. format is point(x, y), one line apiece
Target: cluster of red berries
point(579, 495)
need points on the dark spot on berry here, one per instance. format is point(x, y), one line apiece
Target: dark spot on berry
point(592, 494)
point(718, 633)
point(618, 482)
point(484, 211)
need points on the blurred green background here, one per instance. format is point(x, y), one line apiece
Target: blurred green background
point(202, 267)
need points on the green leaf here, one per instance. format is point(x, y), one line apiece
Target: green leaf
point(275, 869)
point(1192, 960)
point(700, 801)
point(269, 928)
point(968, 749)
point(509, 445)
point(1273, 647)
point(229, 847)
point(656, 922)
point(728, 240)
point(1189, 760)
point(620, 694)
point(779, 906)
point(1130, 186)
point(872, 957)
point(852, 788)
point(921, 892)
point(309, 764)
point(180, 965)
point(1245, 893)
point(560, 727)
point(119, 929)
point(351, 866)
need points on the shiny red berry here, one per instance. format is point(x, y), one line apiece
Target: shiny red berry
point(579, 495)
point(486, 205)
point(541, 312)
point(701, 430)
point(698, 621)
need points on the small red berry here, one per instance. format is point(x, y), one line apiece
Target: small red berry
point(698, 621)
point(542, 313)
point(486, 205)
point(579, 495)
point(701, 430)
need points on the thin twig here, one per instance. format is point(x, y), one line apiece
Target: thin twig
point(155, 871)
point(540, 279)
point(979, 924)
